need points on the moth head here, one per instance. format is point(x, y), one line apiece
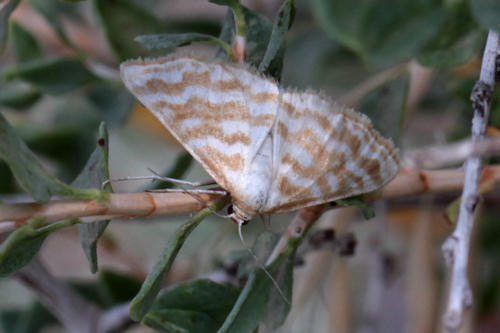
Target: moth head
point(238, 215)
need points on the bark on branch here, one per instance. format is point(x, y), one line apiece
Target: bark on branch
point(456, 247)
point(130, 205)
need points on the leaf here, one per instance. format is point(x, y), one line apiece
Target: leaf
point(457, 42)
point(53, 76)
point(52, 11)
point(143, 301)
point(5, 12)
point(385, 106)
point(170, 41)
point(29, 172)
point(259, 30)
point(277, 308)
point(367, 211)
point(23, 44)
point(179, 321)
point(460, 51)
point(486, 13)
point(276, 46)
point(18, 95)
point(251, 304)
point(112, 104)
point(253, 301)
point(342, 21)
point(380, 32)
point(200, 297)
point(122, 22)
point(118, 287)
point(23, 244)
point(94, 173)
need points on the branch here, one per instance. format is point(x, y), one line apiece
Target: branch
point(146, 204)
point(456, 247)
point(454, 153)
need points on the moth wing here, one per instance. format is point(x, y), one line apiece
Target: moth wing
point(324, 152)
point(221, 113)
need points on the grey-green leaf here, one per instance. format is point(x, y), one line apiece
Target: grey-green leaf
point(5, 12)
point(30, 173)
point(253, 301)
point(18, 95)
point(250, 306)
point(458, 41)
point(122, 22)
point(277, 308)
point(381, 32)
point(486, 13)
point(179, 321)
point(259, 30)
point(53, 12)
point(53, 76)
point(23, 244)
point(386, 106)
point(276, 46)
point(23, 44)
point(367, 211)
point(93, 175)
point(142, 302)
point(201, 296)
point(169, 42)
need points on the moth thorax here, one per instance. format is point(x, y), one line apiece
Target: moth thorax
point(240, 215)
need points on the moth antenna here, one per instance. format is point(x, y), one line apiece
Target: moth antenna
point(275, 283)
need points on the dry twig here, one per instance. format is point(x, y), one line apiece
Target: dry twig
point(456, 247)
point(130, 205)
point(450, 154)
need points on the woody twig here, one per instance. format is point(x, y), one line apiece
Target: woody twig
point(130, 205)
point(456, 247)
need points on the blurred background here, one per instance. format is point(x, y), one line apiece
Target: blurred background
point(61, 79)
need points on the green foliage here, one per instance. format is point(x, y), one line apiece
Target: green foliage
point(53, 76)
point(385, 106)
point(259, 30)
point(358, 201)
point(32, 320)
point(457, 43)
point(5, 12)
point(276, 44)
point(143, 301)
point(23, 44)
point(170, 41)
point(253, 302)
point(197, 306)
point(486, 13)
point(54, 11)
point(29, 172)
point(18, 95)
point(122, 21)
point(94, 173)
point(24, 243)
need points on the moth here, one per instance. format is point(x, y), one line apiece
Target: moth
point(273, 149)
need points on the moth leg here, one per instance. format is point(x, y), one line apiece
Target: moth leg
point(189, 191)
point(156, 176)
